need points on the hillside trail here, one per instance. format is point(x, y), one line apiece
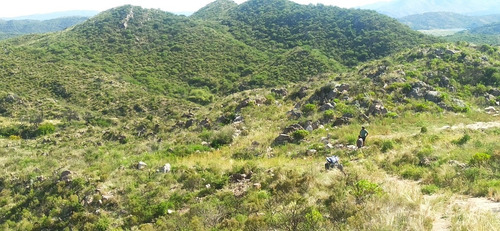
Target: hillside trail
point(442, 207)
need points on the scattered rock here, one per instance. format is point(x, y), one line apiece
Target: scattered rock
point(444, 82)
point(343, 87)
point(208, 186)
point(311, 152)
point(255, 143)
point(377, 109)
point(188, 115)
point(66, 176)
point(324, 95)
point(165, 168)
point(433, 96)
point(457, 163)
point(292, 128)
point(301, 93)
point(342, 121)
point(309, 128)
point(495, 92)
point(491, 110)
point(294, 114)
point(327, 106)
point(282, 92)
point(240, 177)
point(282, 139)
point(141, 165)
point(243, 104)
point(238, 119)
point(257, 185)
point(205, 123)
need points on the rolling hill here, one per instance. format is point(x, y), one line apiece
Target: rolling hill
point(142, 119)
point(446, 20)
point(402, 8)
point(14, 28)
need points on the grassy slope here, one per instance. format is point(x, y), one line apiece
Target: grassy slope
point(124, 123)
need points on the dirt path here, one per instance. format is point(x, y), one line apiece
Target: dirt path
point(474, 126)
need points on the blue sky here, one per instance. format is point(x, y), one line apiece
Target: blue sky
point(15, 8)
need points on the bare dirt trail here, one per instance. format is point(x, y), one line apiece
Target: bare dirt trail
point(443, 207)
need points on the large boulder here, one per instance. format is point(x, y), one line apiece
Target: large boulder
point(327, 106)
point(282, 139)
point(495, 92)
point(294, 114)
point(433, 96)
point(292, 128)
point(66, 176)
point(342, 121)
point(325, 94)
point(377, 109)
point(282, 92)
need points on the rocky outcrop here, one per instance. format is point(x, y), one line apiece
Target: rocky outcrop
point(282, 139)
point(327, 106)
point(292, 128)
point(66, 176)
point(282, 92)
point(377, 109)
point(344, 120)
point(433, 96)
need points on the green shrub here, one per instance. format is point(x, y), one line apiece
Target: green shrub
point(309, 108)
point(479, 159)
point(423, 130)
point(364, 189)
point(329, 114)
point(463, 140)
point(222, 137)
point(412, 172)
point(45, 129)
point(392, 115)
point(300, 134)
point(387, 145)
point(201, 96)
point(429, 189)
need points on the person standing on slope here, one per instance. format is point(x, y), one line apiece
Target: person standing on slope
point(363, 134)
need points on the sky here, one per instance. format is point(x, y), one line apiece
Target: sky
point(16, 8)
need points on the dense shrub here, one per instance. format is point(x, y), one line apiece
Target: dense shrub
point(299, 135)
point(479, 159)
point(222, 137)
point(45, 129)
point(309, 108)
point(429, 189)
point(387, 145)
point(463, 140)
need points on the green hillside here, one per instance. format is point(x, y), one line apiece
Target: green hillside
point(487, 34)
point(445, 20)
point(138, 119)
point(13, 28)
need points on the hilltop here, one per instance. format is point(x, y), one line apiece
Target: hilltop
point(142, 119)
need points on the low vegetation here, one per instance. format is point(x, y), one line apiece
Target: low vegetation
point(151, 138)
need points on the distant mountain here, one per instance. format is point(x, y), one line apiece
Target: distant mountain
point(55, 15)
point(487, 34)
point(401, 8)
point(13, 28)
point(490, 29)
point(446, 20)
